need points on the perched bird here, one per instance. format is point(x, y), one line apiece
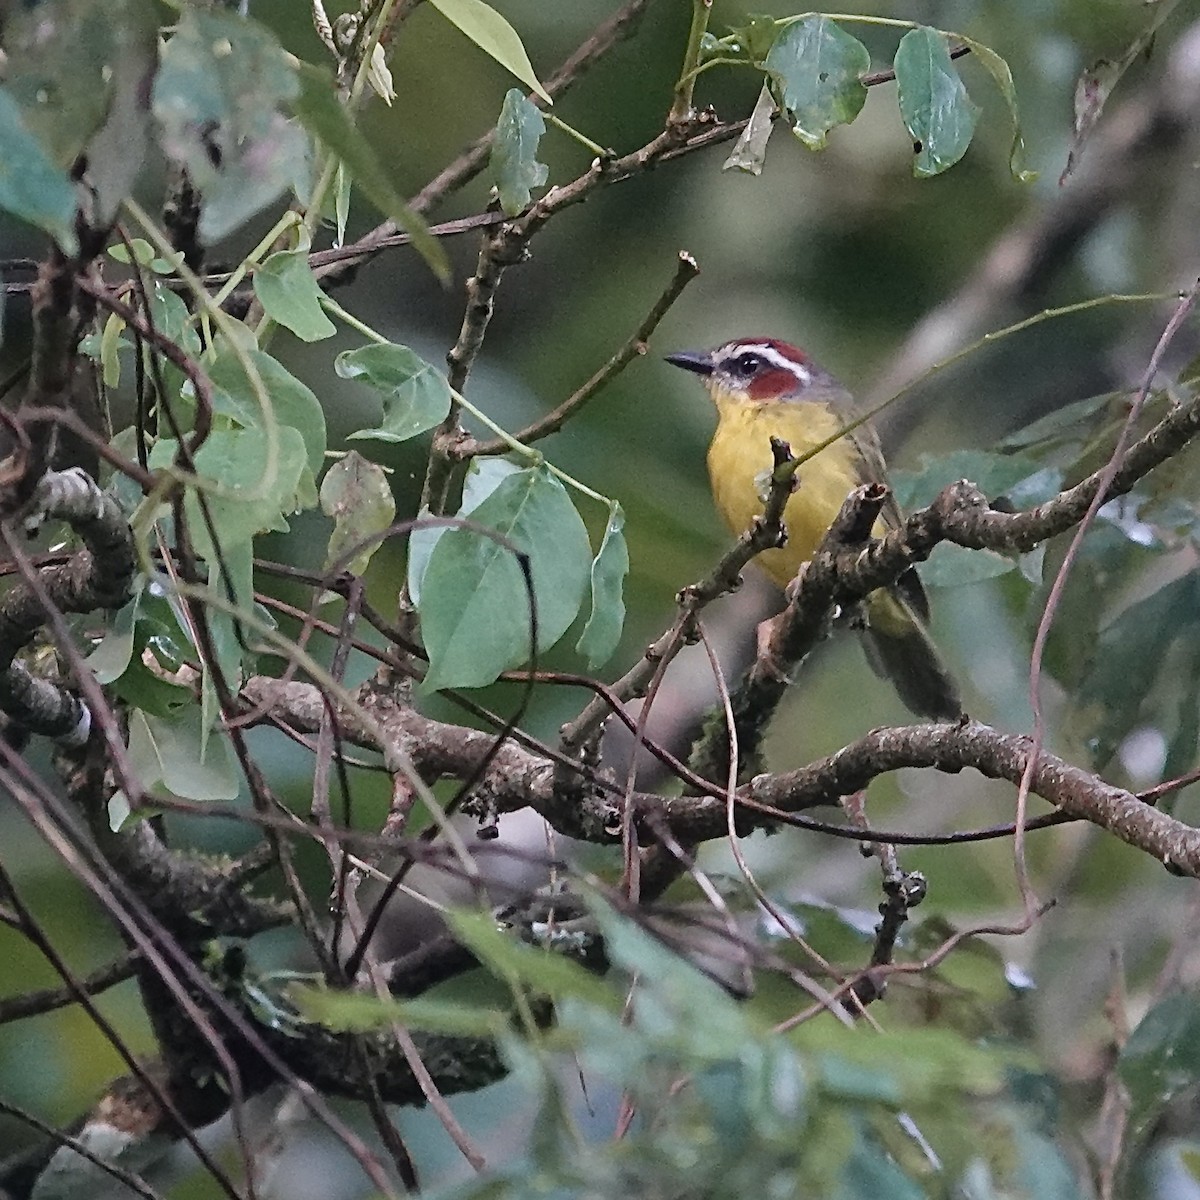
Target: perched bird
point(764, 388)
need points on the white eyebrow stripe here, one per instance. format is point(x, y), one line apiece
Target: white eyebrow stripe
point(771, 355)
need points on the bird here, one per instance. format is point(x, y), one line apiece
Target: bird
point(764, 388)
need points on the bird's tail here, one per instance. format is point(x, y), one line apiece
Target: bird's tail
point(899, 648)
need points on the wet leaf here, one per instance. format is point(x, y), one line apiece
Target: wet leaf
point(934, 104)
point(817, 68)
point(514, 165)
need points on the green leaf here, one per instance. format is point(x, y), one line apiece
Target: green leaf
point(474, 604)
point(352, 1012)
point(494, 36)
point(291, 402)
point(288, 292)
point(934, 104)
point(609, 568)
point(318, 109)
point(32, 187)
point(416, 396)
point(217, 96)
point(953, 566)
point(169, 754)
point(140, 687)
point(110, 658)
point(342, 187)
point(483, 477)
point(1161, 1059)
point(81, 72)
point(110, 343)
point(817, 68)
point(514, 165)
point(1072, 424)
point(250, 496)
point(999, 70)
point(544, 971)
point(994, 474)
point(143, 253)
point(1127, 660)
point(871, 1171)
point(679, 1008)
point(356, 495)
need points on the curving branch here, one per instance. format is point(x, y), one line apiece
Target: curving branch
point(98, 577)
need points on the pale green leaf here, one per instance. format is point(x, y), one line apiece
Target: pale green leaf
point(291, 402)
point(483, 477)
point(110, 344)
point(609, 568)
point(252, 491)
point(171, 755)
point(353, 1012)
point(217, 97)
point(110, 658)
point(953, 566)
point(416, 396)
point(999, 70)
point(543, 970)
point(288, 292)
point(494, 36)
point(475, 607)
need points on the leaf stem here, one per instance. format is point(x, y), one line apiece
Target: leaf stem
point(585, 141)
point(681, 106)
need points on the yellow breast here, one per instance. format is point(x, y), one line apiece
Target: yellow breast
point(740, 461)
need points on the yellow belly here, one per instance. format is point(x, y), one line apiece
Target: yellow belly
point(740, 461)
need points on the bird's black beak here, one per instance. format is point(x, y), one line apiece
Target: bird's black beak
point(699, 361)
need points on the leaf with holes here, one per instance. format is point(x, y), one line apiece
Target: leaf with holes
point(475, 606)
point(817, 69)
point(934, 104)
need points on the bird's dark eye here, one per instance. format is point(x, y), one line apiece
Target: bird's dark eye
point(745, 365)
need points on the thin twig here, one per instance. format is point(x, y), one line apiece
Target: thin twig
point(685, 271)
